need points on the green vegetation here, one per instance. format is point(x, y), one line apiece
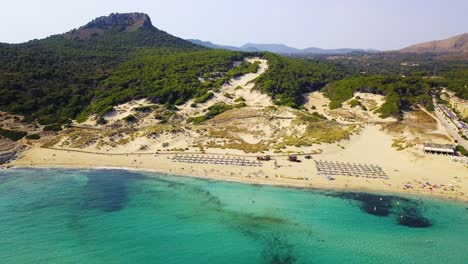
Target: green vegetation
point(144, 109)
point(400, 92)
point(288, 78)
point(33, 136)
point(462, 150)
point(12, 134)
point(451, 73)
point(401, 144)
point(455, 79)
point(228, 95)
point(213, 111)
point(217, 109)
point(57, 79)
point(240, 105)
point(207, 96)
point(244, 68)
point(318, 130)
point(53, 127)
point(169, 78)
point(354, 103)
point(130, 119)
point(197, 119)
point(239, 99)
point(101, 121)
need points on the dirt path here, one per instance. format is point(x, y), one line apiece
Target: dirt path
point(440, 127)
point(236, 87)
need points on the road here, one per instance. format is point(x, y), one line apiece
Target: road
point(449, 126)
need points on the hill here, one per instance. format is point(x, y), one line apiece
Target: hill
point(123, 57)
point(456, 44)
point(55, 78)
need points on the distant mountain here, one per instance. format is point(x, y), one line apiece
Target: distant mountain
point(456, 44)
point(212, 45)
point(277, 48)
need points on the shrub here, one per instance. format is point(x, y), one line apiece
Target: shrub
point(197, 120)
point(213, 111)
point(462, 150)
point(354, 103)
point(334, 105)
point(12, 134)
point(53, 127)
point(101, 121)
point(240, 105)
point(33, 136)
point(130, 119)
point(228, 95)
point(207, 96)
point(144, 109)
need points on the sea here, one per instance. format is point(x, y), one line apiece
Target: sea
point(117, 216)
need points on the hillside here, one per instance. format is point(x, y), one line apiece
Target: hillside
point(55, 78)
point(455, 44)
point(122, 57)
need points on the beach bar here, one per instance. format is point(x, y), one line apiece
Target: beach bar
point(439, 148)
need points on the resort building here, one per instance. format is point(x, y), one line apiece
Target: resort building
point(460, 105)
point(439, 149)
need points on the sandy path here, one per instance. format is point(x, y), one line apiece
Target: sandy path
point(440, 127)
point(252, 97)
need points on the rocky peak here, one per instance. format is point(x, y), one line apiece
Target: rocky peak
point(134, 20)
point(126, 22)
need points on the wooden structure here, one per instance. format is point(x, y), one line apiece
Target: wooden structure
point(445, 149)
point(264, 158)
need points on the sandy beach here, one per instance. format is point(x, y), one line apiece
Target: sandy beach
point(429, 175)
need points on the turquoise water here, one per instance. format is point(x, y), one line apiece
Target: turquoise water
point(110, 216)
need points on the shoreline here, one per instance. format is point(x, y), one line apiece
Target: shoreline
point(339, 188)
point(428, 175)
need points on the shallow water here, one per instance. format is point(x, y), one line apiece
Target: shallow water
point(112, 216)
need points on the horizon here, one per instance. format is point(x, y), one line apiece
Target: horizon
point(350, 24)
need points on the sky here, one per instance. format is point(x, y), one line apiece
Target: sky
point(377, 24)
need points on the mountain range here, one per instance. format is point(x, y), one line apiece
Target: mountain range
point(454, 45)
point(277, 48)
